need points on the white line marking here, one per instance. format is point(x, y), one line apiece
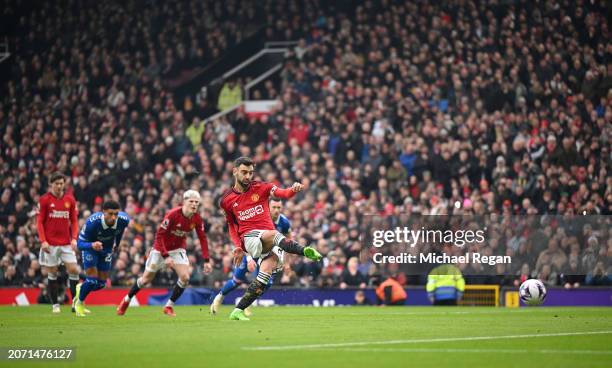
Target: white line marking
point(502, 351)
point(417, 341)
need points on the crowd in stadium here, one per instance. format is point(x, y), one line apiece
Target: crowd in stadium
point(395, 107)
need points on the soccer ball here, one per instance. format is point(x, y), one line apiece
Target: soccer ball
point(532, 292)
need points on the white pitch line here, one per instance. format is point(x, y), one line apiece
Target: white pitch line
point(502, 351)
point(418, 341)
point(440, 313)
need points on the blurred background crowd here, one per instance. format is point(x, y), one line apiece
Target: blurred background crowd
point(386, 107)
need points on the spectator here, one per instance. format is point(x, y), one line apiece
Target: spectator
point(360, 298)
point(351, 277)
point(230, 95)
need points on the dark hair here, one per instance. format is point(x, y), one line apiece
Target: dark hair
point(56, 176)
point(275, 199)
point(246, 161)
point(111, 205)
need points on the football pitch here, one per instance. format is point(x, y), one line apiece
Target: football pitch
point(317, 337)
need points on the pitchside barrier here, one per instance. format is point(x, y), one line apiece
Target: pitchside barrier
point(475, 295)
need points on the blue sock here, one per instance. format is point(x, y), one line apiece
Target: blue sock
point(90, 284)
point(230, 285)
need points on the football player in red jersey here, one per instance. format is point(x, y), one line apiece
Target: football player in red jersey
point(247, 211)
point(58, 231)
point(169, 248)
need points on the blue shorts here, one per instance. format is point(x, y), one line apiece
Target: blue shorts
point(102, 260)
point(240, 272)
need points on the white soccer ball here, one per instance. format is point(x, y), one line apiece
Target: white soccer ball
point(532, 292)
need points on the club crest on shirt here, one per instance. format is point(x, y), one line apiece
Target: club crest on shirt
point(192, 226)
point(255, 197)
point(67, 204)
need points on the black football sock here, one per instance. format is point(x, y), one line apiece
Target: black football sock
point(289, 246)
point(179, 288)
point(53, 286)
point(135, 288)
point(254, 291)
point(73, 281)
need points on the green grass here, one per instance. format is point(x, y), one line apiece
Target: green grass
point(147, 338)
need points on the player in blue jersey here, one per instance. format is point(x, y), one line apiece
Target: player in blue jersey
point(97, 240)
point(248, 264)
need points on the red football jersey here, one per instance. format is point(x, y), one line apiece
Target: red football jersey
point(57, 220)
point(174, 229)
point(248, 211)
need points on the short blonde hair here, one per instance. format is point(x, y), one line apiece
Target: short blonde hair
point(191, 194)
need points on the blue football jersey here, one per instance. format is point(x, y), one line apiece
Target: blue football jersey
point(282, 224)
point(95, 229)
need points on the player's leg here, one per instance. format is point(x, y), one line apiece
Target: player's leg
point(248, 311)
point(90, 284)
point(181, 267)
point(272, 238)
point(73, 279)
point(95, 264)
point(257, 286)
point(238, 278)
point(53, 286)
point(72, 267)
point(154, 263)
point(50, 262)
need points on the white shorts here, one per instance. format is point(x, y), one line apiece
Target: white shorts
point(254, 247)
point(57, 255)
point(252, 243)
point(156, 261)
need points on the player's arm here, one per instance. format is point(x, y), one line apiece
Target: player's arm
point(203, 240)
point(74, 224)
point(40, 225)
point(87, 237)
point(286, 193)
point(74, 220)
point(233, 233)
point(232, 227)
point(162, 233)
point(120, 235)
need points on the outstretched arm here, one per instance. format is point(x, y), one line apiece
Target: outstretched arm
point(287, 193)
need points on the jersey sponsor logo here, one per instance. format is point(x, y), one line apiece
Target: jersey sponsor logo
point(59, 214)
point(179, 233)
point(255, 197)
point(165, 224)
point(251, 212)
point(104, 238)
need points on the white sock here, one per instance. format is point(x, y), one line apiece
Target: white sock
point(169, 303)
point(56, 305)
